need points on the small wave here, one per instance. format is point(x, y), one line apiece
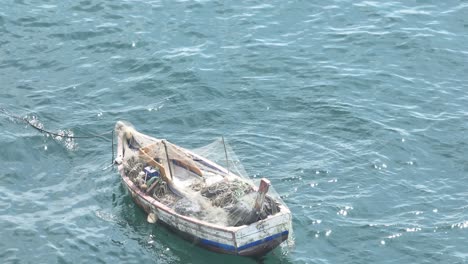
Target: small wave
point(108, 217)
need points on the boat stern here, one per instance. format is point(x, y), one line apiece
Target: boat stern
point(263, 236)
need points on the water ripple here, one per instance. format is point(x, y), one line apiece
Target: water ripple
point(356, 111)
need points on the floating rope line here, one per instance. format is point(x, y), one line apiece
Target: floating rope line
point(25, 120)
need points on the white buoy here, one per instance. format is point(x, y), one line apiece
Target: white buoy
point(152, 218)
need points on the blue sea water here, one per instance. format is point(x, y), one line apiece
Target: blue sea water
point(357, 111)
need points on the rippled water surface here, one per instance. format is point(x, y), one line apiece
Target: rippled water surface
point(357, 111)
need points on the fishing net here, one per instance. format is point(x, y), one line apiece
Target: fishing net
point(193, 183)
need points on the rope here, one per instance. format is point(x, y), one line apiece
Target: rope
point(112, 161)
point(22, 119)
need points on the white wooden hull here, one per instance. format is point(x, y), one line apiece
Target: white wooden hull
point(252, 240)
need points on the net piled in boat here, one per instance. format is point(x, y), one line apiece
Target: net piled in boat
point(191, 182)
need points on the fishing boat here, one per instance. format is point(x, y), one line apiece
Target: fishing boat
point(206, 203)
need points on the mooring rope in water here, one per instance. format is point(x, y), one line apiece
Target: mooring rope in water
point(25, 120)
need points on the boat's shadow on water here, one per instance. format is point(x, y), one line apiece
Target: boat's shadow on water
point(165, 244)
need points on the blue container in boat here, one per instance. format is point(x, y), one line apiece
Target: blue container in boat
point(151, 172)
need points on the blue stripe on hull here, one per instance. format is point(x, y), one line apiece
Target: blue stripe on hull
point(218, 245)
point(246, 246)
point(261, 241)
